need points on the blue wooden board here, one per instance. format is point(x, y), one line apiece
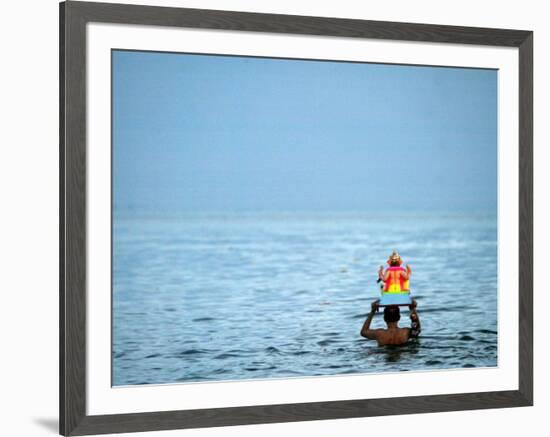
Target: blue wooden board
point(388, 299)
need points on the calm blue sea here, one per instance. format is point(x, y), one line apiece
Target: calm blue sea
point(200, 297)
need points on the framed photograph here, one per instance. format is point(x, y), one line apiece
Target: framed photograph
point(272, 218)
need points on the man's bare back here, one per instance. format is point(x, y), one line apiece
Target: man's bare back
point(385, 337)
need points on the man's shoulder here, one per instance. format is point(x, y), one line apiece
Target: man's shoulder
point(405, 332)
point(379, 332)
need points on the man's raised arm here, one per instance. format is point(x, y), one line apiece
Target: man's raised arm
point(366, 332)
point(415, 321)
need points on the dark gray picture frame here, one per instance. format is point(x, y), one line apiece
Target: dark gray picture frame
point(74, 16)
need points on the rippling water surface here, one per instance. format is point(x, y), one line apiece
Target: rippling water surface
point(230, 297)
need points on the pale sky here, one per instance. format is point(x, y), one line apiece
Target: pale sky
point(219, 133)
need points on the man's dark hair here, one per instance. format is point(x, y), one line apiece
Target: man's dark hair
point(392, 314)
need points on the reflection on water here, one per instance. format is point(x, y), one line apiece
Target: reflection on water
point(231, 297)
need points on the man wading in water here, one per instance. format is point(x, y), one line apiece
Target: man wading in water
point(396, 280)
point(394, 335)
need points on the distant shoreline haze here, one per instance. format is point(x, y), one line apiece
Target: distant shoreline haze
point(297, 215)
point(195, 133)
